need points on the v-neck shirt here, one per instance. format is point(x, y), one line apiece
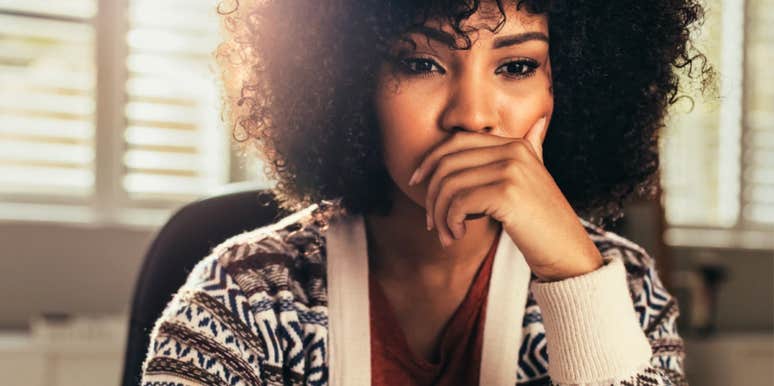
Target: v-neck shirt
point(393, 362)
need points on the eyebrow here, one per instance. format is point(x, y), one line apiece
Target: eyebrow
point(499, 42)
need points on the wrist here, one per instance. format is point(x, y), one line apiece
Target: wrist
point(577, 267)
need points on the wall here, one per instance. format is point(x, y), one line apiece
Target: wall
point(86, 269)
point(67, 268)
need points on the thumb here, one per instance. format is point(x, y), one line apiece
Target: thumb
point(535, 136)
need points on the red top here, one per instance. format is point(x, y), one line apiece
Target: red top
point(393, 363)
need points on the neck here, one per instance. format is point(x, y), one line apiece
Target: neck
point(400, 246)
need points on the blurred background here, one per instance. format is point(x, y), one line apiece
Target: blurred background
point(110, 121)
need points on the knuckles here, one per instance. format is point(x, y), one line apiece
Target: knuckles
point(521, 147)
point(443, 163)
point(507, 189)
point(513, 167)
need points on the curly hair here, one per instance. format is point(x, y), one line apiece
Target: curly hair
point(305, 75)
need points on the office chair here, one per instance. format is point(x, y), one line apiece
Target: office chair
point(187, 237)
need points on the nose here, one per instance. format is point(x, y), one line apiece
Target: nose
point(471, 106)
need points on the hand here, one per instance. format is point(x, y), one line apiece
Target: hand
point(480, 174)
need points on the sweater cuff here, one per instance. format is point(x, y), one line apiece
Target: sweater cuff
point(592, 330)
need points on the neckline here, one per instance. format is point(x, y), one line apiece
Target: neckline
point(469, 306)
point(346, 265)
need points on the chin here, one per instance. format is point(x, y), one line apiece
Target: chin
point(414, 194)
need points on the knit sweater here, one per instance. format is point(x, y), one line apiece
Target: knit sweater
point(271, 307)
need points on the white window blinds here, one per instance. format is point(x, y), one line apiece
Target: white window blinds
point(47, 107)
point(176, 146)
point(718, 160)
point(758, 158)
point(109, 106)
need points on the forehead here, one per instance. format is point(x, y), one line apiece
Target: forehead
point(487, 23)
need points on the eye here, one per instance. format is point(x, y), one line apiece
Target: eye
point(425, 67)
point(419, 66)
point(519, 68)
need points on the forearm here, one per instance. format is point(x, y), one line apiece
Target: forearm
point(594, 335)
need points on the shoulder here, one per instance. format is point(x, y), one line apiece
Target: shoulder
point(287, 255)
point(237, 314)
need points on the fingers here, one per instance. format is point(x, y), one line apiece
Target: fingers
point(458, 161)
point(466, 161)
point(459, 184)
point(536, 135)
point(468, 201)
point(459, 141)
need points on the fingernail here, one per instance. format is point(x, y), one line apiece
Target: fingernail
point(427, 218)
point(444, 239)
point(540, 122)
point(414, 177)
point(457, 231)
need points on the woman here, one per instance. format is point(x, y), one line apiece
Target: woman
point(435, 155)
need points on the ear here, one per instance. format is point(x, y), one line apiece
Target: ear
point(535, 136)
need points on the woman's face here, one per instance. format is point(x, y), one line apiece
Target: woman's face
point(500, 86)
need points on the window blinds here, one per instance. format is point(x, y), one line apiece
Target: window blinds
point(173, 146)
point(758, 158)
point(176, 146)
point(718, 160)
point(47, 98)
point(690, 151)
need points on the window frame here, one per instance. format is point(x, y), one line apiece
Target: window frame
point(109, 203)
point(733, 129)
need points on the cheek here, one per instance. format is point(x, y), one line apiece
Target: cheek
point(549, 86)
point(525, 108)
point(525, 111)
point(407, 131)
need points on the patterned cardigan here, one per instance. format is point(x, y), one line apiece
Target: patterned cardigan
point(255, 312)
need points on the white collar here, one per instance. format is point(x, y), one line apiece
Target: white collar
point(349, 348)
